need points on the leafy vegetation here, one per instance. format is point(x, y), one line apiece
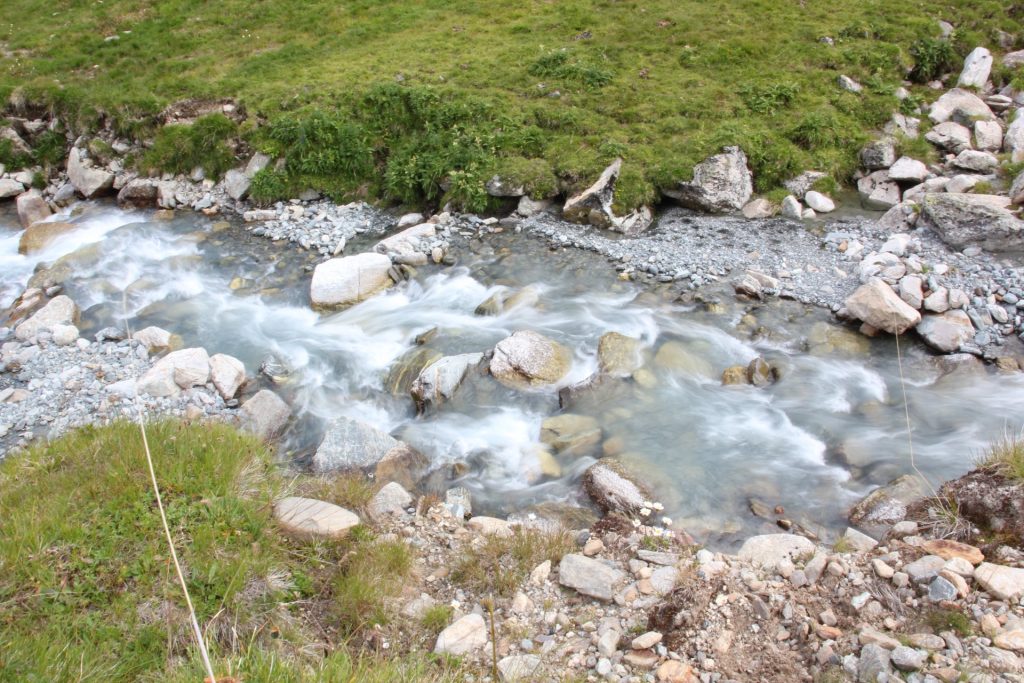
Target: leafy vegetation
point(180, 148)
point(87, 592)
point(425, 103)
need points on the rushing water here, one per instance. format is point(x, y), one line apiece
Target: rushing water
point(829, 430)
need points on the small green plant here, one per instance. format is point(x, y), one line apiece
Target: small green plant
point(842, 545)
point(563, 65)
point(652, 542)
point(436, 618)
point(949, 620)
point(269, 186)
point(371, 571)
point(769, 98)
point(180, 148)
point(932, 58)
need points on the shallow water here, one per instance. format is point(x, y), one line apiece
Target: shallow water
point(829, 430)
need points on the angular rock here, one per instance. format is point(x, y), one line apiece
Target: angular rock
point(154, 339)
point(979, 162)
point(791, 208)
point(32, 208)
point(612, 489)
point(589, 577)
point(464, 636)
point(878, 155)
point(529, 207)
point(439, 381)
point(873, 663)
point(804, 183)
point(912, 291)
point(906, 169)
point(879, 306)
point(1013, 139)
point(408, 246)
point(237, 184)
point(769, 550)
point(342, 282)
point(403, 464)
point(758, 208)
point(264, 415)
point(1001, 582)
point(314, 518)
point(859, 541)
point(594, 206)
point(950, 136)
point(88, 181)
point(988, 136)
point(527, 360)
point(908, 659)
point(10, 188)
point(391, 500)
point(924, 569)
point(140, 193)
point(177, 370)
point(721, 183)
point(946, 332)
point(977, 67)
point(878, 192)
point(227, 374)
point(351, 444)
point(60, 310)
point(489, 526)
point(963, 220)
point(960, 106)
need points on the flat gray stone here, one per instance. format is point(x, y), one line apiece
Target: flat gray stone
point(314, 518)
point(351, 444)
point(589, 577)
point(770, 549)
point(519, 668)
point(924, 569)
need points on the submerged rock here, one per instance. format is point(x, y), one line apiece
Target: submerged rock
point(720, 184)
point(39, 235)
point(527, 359)
point(572, 435)
point(618, 355)
point(351, 444)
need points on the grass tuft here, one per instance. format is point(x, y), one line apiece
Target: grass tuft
point(1007, 456)
point(500, 564)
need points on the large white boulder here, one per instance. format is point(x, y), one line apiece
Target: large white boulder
point(977, 67)
point(342, 282)
point(227, 374)
point(87, 180)
point(721, 183)
point(878, 305)
point(177, 370)
point(60, 310)
point(528, 359)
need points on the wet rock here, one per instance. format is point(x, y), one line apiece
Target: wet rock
point(618, 355)
point(351, 444)
point(88, 181)
point(503, 301)
point(589, 577)
point(527, 359)
point(60, 310)
point(407, 368)
point(612, 488)
point(342, 282)
point(227, 374)
point(403, 464)
point(312, 518)
point(594, 206)
point(391, 500)
point(571, 435)
point(32, 208)
point(946, 332)
point(733, 375)
point(760, 374)
point(10, 188)
point(464, 636)
point(962, 220)
point(439, 381)
point(39, 235)
point(888, 504)
point(409, 246)
point(961, 106)
point(879, 306)
point(177, 370)
point(264, 415)
point(720, 184)
point(770, 549)
point(674, 355)
point(140, 193)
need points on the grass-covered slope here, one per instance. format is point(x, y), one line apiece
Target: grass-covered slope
point(88, 592)
point(536, 89)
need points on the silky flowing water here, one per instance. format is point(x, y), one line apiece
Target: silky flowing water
point(827, 432)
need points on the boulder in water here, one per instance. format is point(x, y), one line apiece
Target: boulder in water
point(438, 381)
point(572, 435)
point(38, 235)
point(527, 359)
point(617, 354)
point(721, 183)
point(32, 208)
point(341, 282)
point(350, 444)
point(407, 368)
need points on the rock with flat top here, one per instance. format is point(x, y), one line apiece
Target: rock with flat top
point(314, 518)
point(345, 281)
point(1001, 582)
point(589, 576)
point(963, 220)
point(946, 332)
point(464, 636)
point(88, 181)
point(769, 549)
point(177, 370)
point(527, 359)
point(60, 310)
point(351, 444)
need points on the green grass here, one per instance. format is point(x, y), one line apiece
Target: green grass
point(87, 592)
point(948, 620)
point(1006, 455)
point(423, 102)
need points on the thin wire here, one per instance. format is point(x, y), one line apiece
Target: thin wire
point(163, 519)
point(906, 412)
